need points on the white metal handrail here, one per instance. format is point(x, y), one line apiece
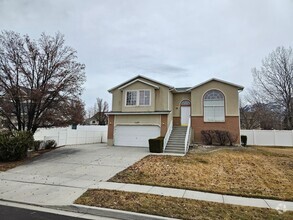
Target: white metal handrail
point(186, 142)
point(167, 136)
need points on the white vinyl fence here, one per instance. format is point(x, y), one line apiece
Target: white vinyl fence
point(68, 136)
point(269, 137)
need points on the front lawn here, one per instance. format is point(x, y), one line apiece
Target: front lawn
point(253, 172)
point(175, 207)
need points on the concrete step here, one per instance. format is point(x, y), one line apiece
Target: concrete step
point(175, 143)
point(178, 135)
point(175, 151)
point(175, 146)
point(177, 138)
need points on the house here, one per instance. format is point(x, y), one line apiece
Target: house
point(143, 108)
point(100, 118)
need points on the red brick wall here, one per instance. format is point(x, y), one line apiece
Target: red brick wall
point(110, 126)
point(176, 121)
point(164, 123)
point(231, 124)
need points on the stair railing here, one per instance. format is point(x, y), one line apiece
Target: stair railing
point(187, 136)
point(167, 136)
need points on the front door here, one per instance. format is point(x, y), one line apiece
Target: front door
point(185, 112)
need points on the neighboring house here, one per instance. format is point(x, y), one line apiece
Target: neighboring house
point(99, 118)
point(143, 108)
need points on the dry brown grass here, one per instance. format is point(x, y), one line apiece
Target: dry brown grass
point(9, 165)
point(254, 172)
point(175, 207)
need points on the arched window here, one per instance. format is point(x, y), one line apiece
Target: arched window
point(185, 103)
point(214, 106)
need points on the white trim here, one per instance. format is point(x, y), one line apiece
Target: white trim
point(137, 97)
point(168, 134)
point(187, 136)
point(138, 124)
point(218, 80)
point(225, 105)
point(140, 76)
point(138, 113)
point(138, 80)
point(185, 100)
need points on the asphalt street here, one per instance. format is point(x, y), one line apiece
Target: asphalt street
point(13, 213)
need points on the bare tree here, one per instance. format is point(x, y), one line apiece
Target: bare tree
point(274, 80)
point(39, 79)
point(98, 111)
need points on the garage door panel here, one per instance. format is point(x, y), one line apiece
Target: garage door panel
point(127, 135)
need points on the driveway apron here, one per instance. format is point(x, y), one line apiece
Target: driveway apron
point(61, 176)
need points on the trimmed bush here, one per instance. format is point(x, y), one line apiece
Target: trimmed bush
point(37, 145)
point(14, 146)
point(156, 145)
point(207, 137)
point(50, 144)
point(243, 140)
point(219, 137)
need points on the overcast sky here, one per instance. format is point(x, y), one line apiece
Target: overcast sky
point(177, 42)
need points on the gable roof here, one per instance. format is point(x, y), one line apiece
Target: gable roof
point(181, 89)
point(135, 79)
point(218, 80)
point(139, 80)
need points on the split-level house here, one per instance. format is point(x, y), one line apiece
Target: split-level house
point(143, 108)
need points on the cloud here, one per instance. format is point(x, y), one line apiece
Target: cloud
point(181, 43)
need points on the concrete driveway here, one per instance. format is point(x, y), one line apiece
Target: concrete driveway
point(61, 176)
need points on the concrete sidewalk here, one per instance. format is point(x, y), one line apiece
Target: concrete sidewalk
point(197, 195)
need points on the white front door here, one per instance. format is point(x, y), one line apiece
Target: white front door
point(185, 113)
point(135, 135)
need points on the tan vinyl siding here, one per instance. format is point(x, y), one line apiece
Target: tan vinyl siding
point(230, 93)
point(177, 99)
point(159, 97)
point(137, 120)
point(138, 86)
point(162, 99)
point(117, 100)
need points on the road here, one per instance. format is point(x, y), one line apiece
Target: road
point(14, 213)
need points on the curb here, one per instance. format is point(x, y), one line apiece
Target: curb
point(111, 213)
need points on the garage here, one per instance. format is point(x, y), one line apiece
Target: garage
point(135, 135)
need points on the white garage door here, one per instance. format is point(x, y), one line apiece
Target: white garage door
point(137, 136)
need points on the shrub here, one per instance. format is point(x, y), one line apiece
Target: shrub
point(207, 137)
point(232, 138)
point(217, 136)
point(14, 146)
point(243, 140)
point(37, 145)
point(220, 137)
point(50, 144)
point(156, 145)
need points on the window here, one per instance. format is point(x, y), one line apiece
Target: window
point(131, 97)
point(144, 97)
point(138, 97)
point(214, 107)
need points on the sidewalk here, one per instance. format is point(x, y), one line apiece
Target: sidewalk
point(197, 195)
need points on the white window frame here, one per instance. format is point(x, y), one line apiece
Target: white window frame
point(126, 98)
point(137, 97)
point(224, 105)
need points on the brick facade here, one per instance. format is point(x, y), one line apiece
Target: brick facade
point(176, 121)
point(110, 126)
point(231, 124)
point(164, 124)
